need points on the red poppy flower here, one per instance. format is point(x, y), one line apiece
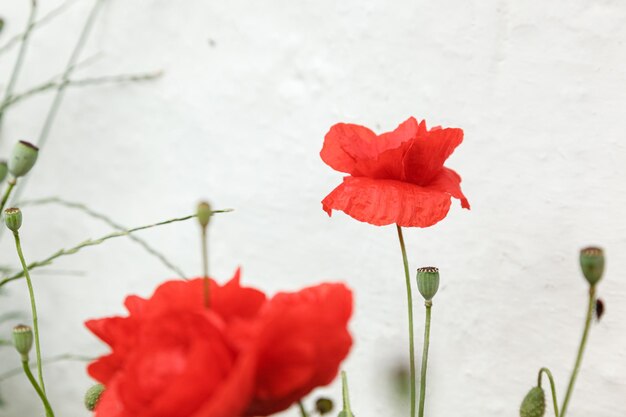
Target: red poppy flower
point(245, 355)
point(396, 177)
point(172, 357)
point(302, 340)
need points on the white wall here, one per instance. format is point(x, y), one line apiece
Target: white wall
point(251, 87)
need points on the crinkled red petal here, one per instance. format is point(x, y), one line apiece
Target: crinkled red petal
point(382, 202)
point(427, 154)
point(450, 182)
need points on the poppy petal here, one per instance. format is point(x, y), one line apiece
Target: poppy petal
point(450, 182)
point(356, 149)
point(382, 202)
point(423, 161)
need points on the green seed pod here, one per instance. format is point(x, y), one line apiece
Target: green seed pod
point(592, 264)
point(428, 282)
point(4, 170)
point(534, 404)
point(324, 405)
point(23, 158)
point(204, 213)
point(92, 396)
point(23, 340)
point(13, 218)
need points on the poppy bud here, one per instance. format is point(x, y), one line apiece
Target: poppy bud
point(428, 282)
point(4, 170)
point(13, 218)
point(92, 396)
point(592, 264)
point(23, 158)
point(204, 213)
point(534, 404)
point(23, 340)
point(324, 405)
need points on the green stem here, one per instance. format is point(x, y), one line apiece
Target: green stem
point(345, 394)
point(409, 297)
point(90, 242)
point(20, 55)
point(303, 412)
point(42, 395)
point(428, 305)
point(7, 194)
point(205, 269)
point(33, 307)
point(581, 350)
point(552, 388)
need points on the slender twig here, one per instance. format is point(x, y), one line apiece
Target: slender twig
point(49, 361)
point(552, 388)
point(38, 389)
point(69, 68)
point(581, 350)
point(20, 56)
point(38, 24)
point(90, 242)
point(33, 306)
point(428, 304)
point(97, 215)
point(409, 297)
point(303, 412)
point(55, 84)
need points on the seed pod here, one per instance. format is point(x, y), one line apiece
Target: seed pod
point(324, 405)
point(534, 404)
point(23, 158)
point(13, 218)
point(592, 264)
point(428, 282)
point(23, 340)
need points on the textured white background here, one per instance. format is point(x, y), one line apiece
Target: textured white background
point(250, 88)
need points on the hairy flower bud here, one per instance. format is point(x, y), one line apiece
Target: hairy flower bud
point(92, 396)
point(428, 282)
point(23, 340)
point(534, 404)
point(13, 218)
point(4, 170)
point(592, 264)
point(324, 405)
point(204, 213)
point(23, 158)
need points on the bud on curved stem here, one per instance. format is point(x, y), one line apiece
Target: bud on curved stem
point(92, 396)
point(534, 404)
point(552, 388)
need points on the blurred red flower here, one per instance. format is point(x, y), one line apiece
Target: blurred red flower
point(396, 177)
point(172, 357)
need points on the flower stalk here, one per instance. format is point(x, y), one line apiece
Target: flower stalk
point(428, 304)
point(552, 388)
point(40, 393)
point(581, 350)
point(409, 297)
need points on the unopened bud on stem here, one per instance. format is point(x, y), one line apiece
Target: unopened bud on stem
point(204, 213)
point(92, 396)
point(534, 404)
